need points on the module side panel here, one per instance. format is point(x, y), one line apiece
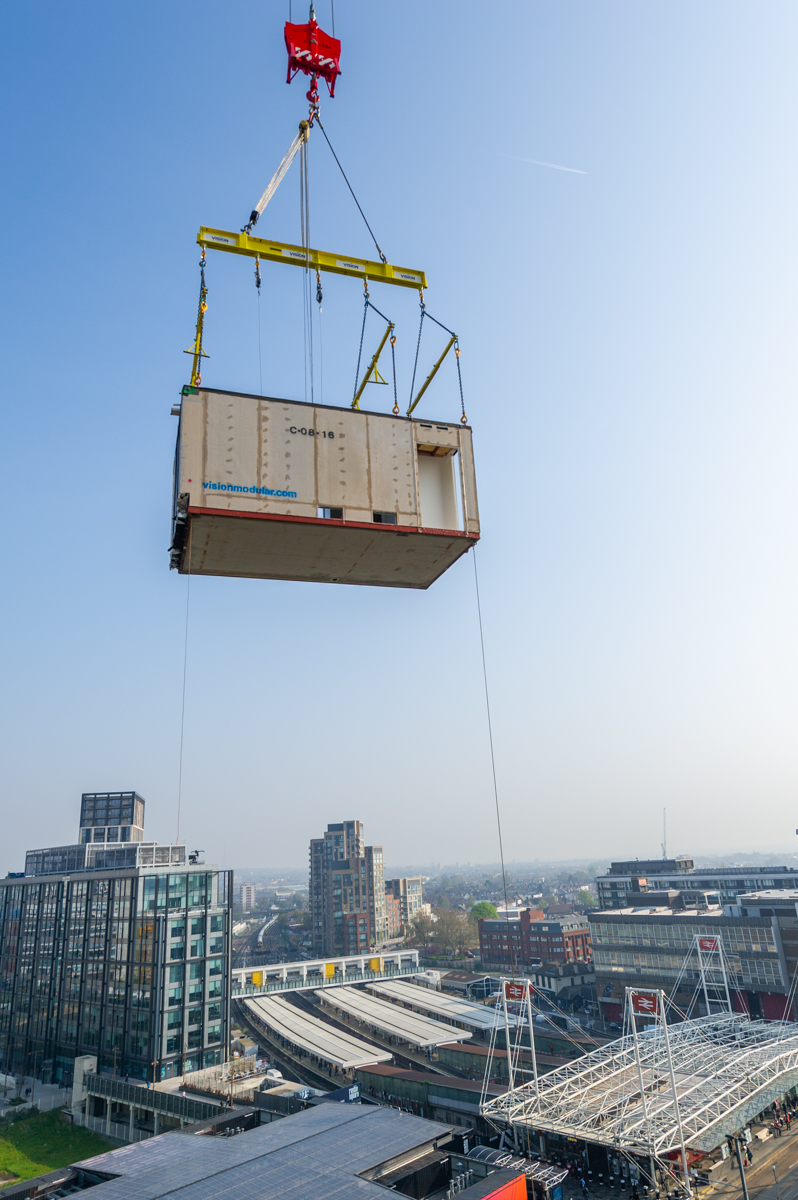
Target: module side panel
point(230, 451)
point(191, 453)
point(352, 464)
point(468, 481)
point(393, 486)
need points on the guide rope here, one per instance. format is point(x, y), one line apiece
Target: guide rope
point(183, 707)
point(493, 766)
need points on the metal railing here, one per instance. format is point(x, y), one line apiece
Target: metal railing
point(114, 1129)
point(321, 981)
point(152, 1099)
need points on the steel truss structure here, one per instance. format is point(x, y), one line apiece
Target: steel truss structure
point(663, 1088)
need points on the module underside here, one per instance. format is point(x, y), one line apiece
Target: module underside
point(267, 546)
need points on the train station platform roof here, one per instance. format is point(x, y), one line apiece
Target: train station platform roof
point(440, 1005)
point(335, 1047)
point(389, 1018)
point(727, 1070)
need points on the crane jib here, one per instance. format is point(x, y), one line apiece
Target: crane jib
point(339, 264)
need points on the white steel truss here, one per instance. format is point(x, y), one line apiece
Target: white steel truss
point(724, 1069)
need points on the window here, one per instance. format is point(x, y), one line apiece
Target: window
point(215, 966)
point(217, 924)
point(195, 1016)
point(175, 996)
point(331, 514)
point(178, 929)
point(173, 1045)
point(198, 948)
point(197, 926)
point(174, 1020)
point(214, 1033)
point(177, 950)
point(384, 518)
point(176, 974)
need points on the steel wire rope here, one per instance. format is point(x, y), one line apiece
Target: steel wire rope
point(183, 706)
point(496, 799)
point(349, 185)
point(260, 358)
point(307, 306)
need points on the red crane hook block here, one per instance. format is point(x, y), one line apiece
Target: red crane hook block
point(313, 52)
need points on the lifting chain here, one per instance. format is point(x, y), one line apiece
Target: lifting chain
point(393, 369)
point(257, 275)
point(464, 418)
point(418, 343)
point(319, 296)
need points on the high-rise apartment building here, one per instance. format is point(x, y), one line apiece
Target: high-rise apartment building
point(347, 892)
point(247, 896)
point(114, 947)
point(410, 895)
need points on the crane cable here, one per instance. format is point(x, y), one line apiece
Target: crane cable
point(351, 189)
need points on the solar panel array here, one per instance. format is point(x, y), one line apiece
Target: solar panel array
point(314, 1153)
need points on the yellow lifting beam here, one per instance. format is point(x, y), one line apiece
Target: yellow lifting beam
point(373, 367)
point(319, 260)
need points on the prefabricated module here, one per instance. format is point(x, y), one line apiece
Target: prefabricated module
point(273, 488)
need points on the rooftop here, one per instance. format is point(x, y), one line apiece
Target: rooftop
point(322, 1152)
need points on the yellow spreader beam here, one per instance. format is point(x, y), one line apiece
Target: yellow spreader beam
point(360, 268)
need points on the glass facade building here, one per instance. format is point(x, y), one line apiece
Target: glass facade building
point(130, 964)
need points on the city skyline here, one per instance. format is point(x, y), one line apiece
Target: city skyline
point(628, 372)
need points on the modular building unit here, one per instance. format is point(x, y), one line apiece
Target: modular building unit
point(279, 489)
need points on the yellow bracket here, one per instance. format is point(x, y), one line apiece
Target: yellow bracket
point(432, 374)
point(373, 367)
point(318, 260)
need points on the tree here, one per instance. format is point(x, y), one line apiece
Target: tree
point(484, 910)
point(585, 897)
point(455, 930)
point(421, 930)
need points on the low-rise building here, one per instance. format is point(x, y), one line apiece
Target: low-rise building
point(650, 947)
point(680, 874)
point(530, 940)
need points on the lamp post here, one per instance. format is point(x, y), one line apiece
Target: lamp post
point(735, 1139)
point(776, 1179)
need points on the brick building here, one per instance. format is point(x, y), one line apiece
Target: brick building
point(535, 940)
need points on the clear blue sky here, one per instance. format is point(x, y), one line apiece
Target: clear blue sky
point(629, 360)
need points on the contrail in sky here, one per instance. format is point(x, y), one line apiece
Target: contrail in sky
point(554, 166)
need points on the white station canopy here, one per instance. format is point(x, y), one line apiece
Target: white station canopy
point(317, 1037)
point(400, 1022)
point(440, 1005)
